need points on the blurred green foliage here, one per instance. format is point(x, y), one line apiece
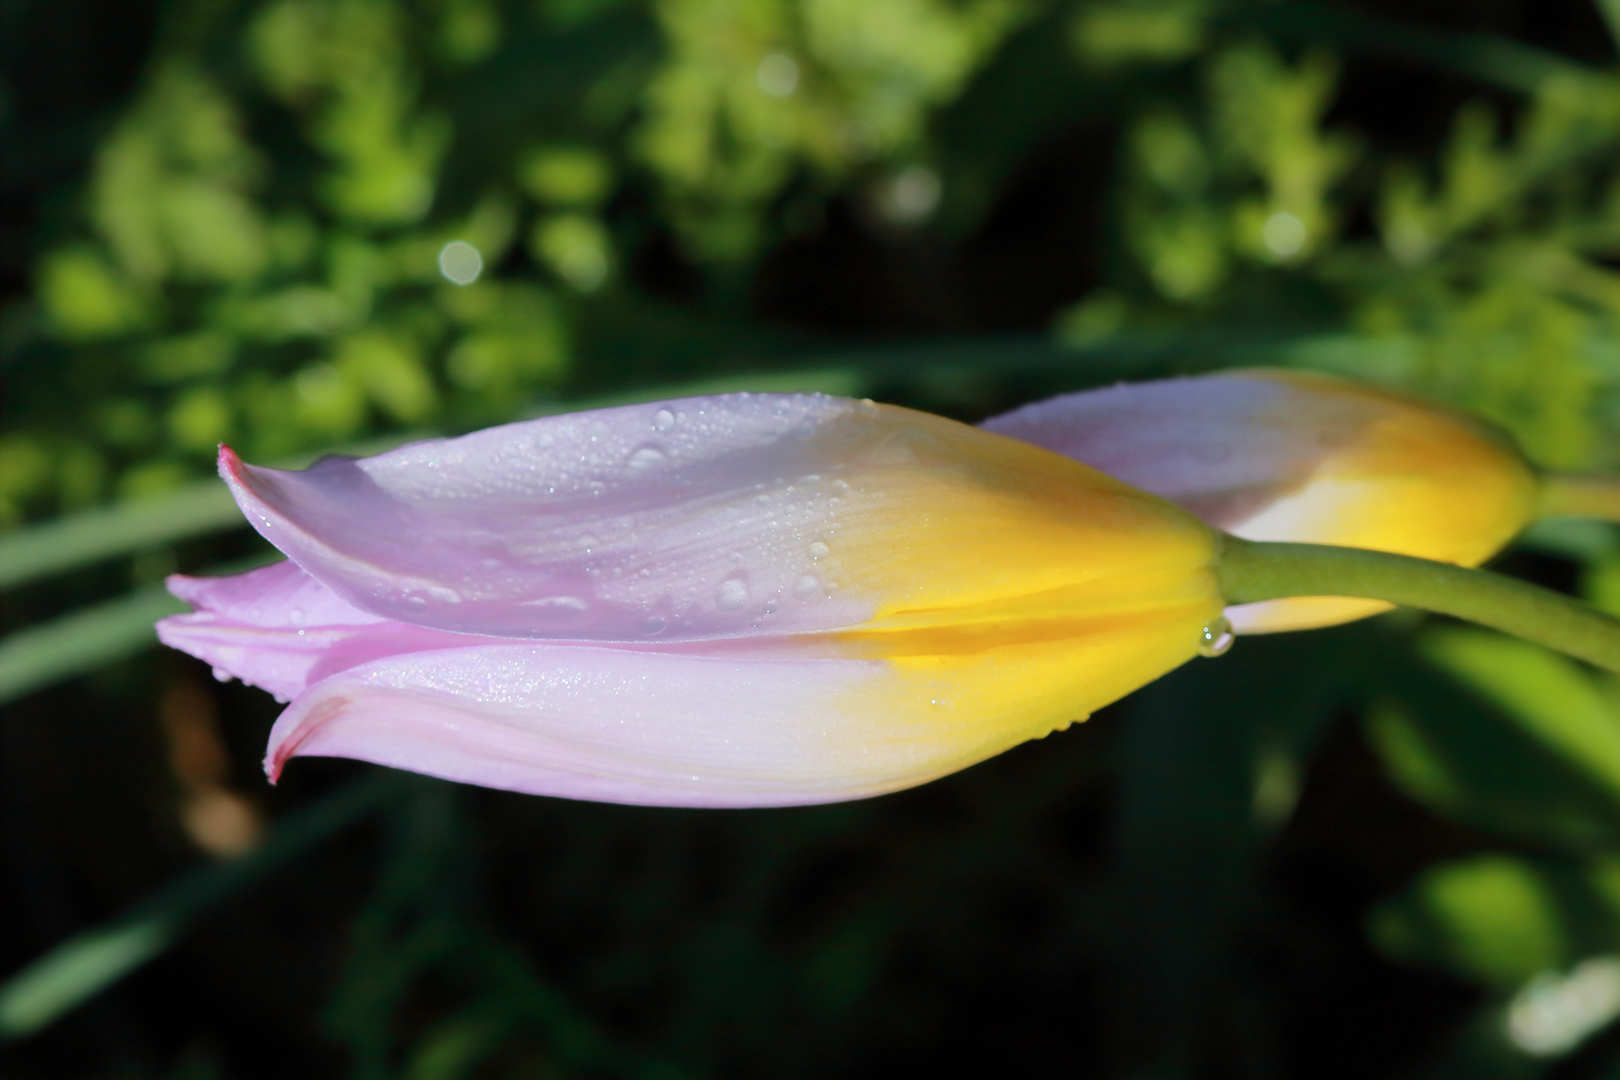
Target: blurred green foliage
point(324, 224)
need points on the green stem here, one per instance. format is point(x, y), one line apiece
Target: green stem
point(1588, 495)
point(1249, 572)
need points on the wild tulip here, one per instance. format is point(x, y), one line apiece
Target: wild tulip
point(1293, 456)
point(746, 600)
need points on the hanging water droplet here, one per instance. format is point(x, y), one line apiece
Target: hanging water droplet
point(416, 604)
point(663, 420)
point(1216, 637)
point(818, 550)
point(296, 616)
point(653, 625)
point(222, 675)
point(806, 587)
point(733, 594)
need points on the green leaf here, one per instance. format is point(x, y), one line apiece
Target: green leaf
point(1503, 736)
point(1500, 920)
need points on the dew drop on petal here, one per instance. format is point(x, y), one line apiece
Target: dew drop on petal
point(663, 420)
point(653, 625)
point(645, 459)
point(806, 587)
point(221, 675)
point(733, 594)
point(1216, 637)
point(561, 604)
point(416, 604)
point(296, 616)
point(818, 550)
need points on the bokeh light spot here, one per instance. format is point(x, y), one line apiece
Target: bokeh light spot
point(778, 75)
point(460, 262)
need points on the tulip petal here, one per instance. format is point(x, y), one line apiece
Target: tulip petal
point(1224, 446)
point(279, 629)
point(742, 516)
point(1292, 456)
point(630, 725)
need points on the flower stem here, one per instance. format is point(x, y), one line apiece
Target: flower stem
point(1588, 495)
point(1250, 571)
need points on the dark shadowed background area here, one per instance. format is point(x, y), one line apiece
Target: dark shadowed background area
point(1385, 850)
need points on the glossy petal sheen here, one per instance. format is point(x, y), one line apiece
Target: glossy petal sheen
point(1290, 456)
point(734, 601)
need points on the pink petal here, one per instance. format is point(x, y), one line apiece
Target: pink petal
point(279, 629)
point(722, 727)
point(708, 519)
point(278, 595)
point(688, 519)
point(1224, 446)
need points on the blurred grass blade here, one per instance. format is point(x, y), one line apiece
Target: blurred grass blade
point(93, 960)
point(81, 641)
point(1610, 10)
point(203, 507)
point(77, 970)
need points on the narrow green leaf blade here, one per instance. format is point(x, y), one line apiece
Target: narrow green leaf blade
point(81, 641)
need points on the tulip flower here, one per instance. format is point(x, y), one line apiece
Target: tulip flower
point(764, 600)
point(746, 600)
point(1291, 456)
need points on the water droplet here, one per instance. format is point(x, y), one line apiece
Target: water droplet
point(588, 542)
point(279, 699)
point(645, 459)
point(733, 594)
point(653, 625)
point(807, 586)
point(222, 675)
point(596, 487)
point(839, 487)
point(663, 420)
point(770, 606)
point(867, 407)
point(818, 550)
point(1216, 637)
point(296, 616)
point(416, 604)
point(567, 605)
point(943, 704)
